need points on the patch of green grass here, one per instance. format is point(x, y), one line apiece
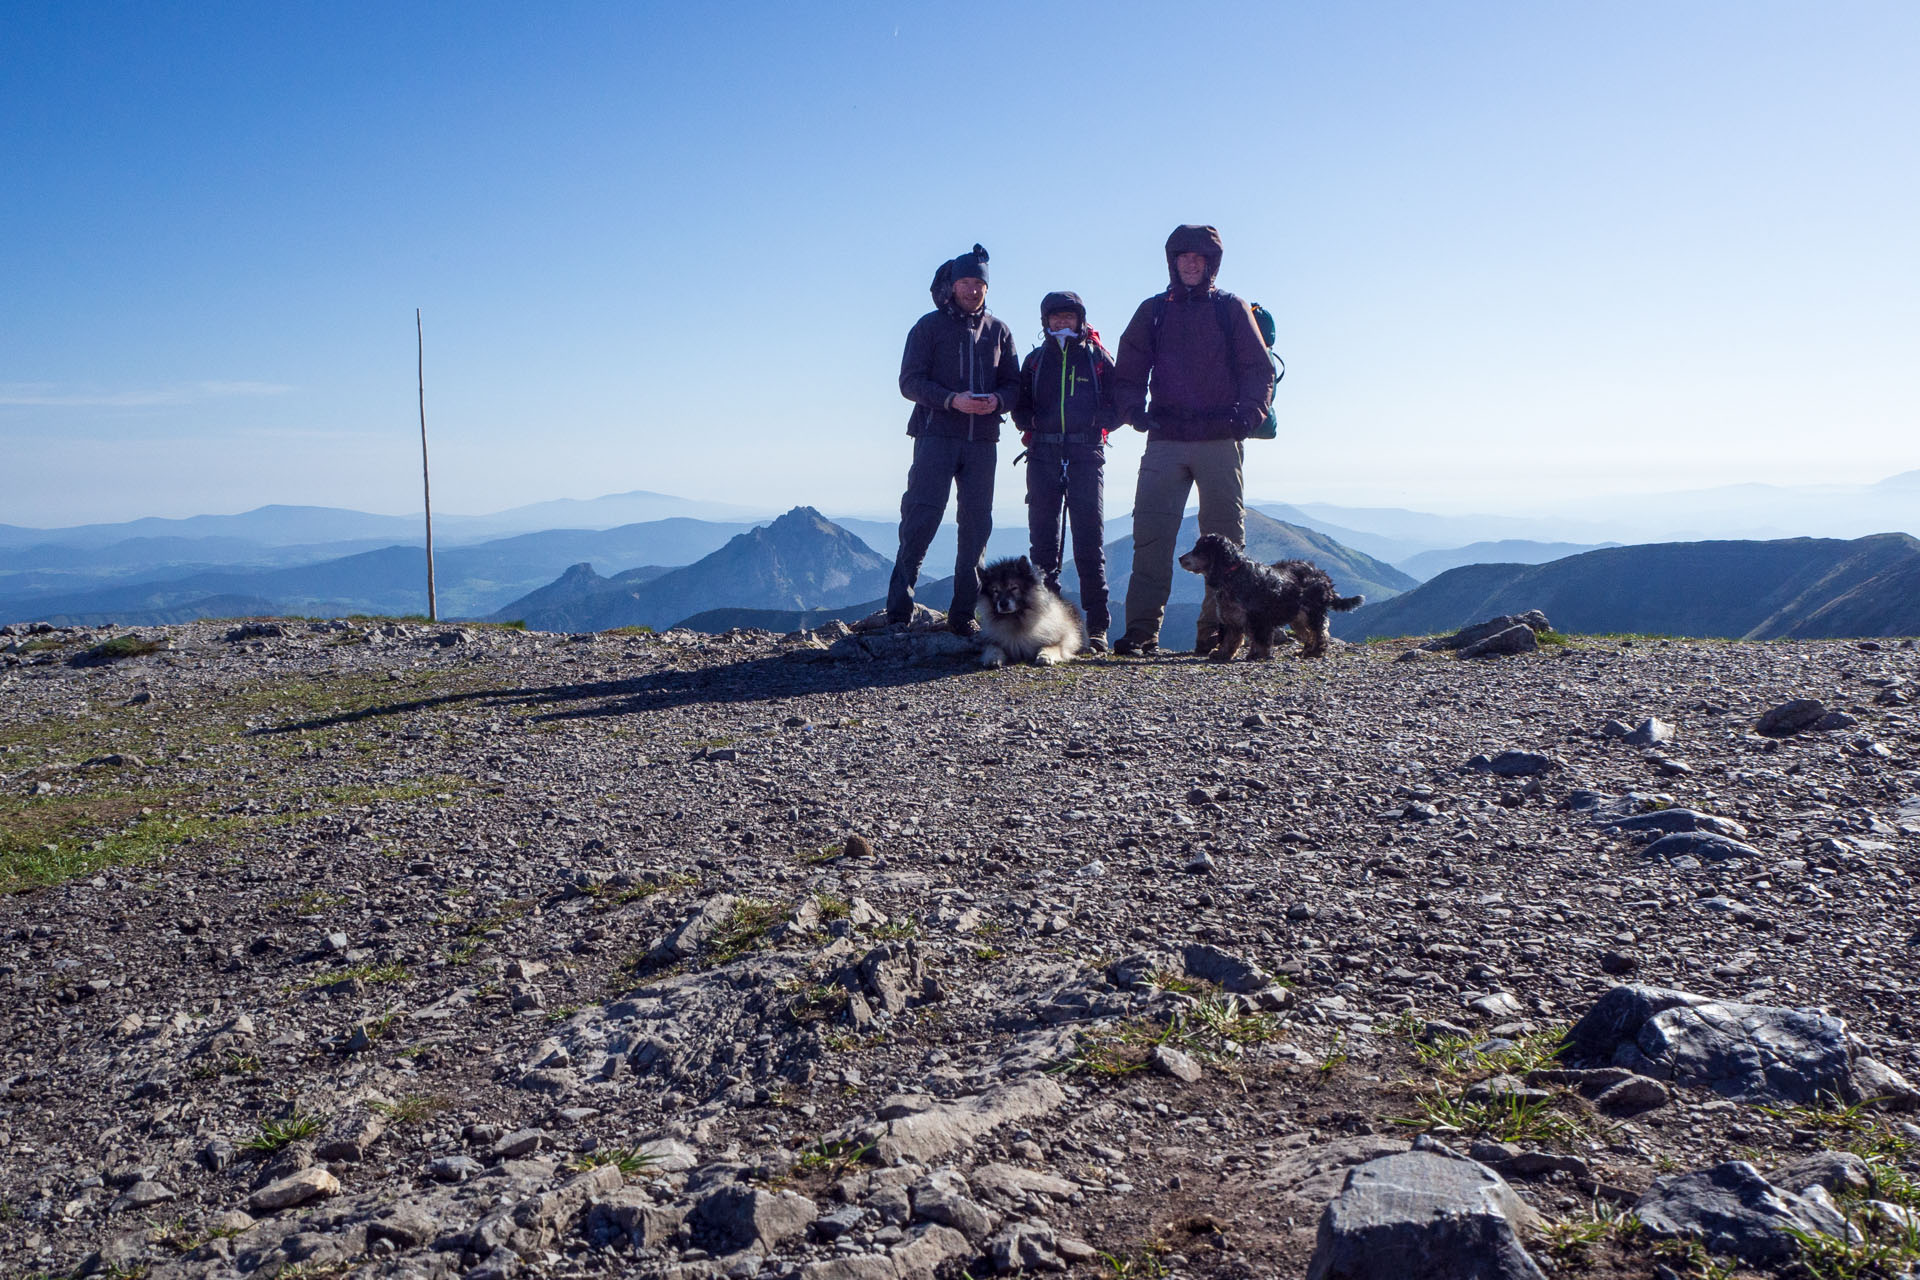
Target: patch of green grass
point(898, 928)
point(118, 649)
point(818, 1002)
point(836, 1157)
point(308, 903)
point(291, 1128)
point(1504, 1118)
point(1691, 1255)
point(1570, 1238)
point(372, 975)
point(833, 907)
point(1335, 1057)
point(1137, 1264)
point(1213, 1028)
point(746, 927)
point(818, 857)
point(1854, 1127)
point(411, 1109)
point(628, 631)
point(1181, 983)
point(41, 645)
point(61, 850)
point(987, 955)
point(1552, 639)
point(630, 1161)
point(1886, 1252)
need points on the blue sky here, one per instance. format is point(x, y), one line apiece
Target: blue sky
point(1519, 253)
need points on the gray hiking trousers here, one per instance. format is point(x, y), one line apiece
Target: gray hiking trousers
point(1169, 471)
point(941, 464)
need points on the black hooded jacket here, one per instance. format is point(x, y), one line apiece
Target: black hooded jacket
point(1066, 389)
point(1205, 361)
point(949, 352)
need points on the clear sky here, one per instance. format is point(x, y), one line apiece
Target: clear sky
point(1518, 252)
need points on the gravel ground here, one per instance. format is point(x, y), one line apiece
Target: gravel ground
point(393, 950)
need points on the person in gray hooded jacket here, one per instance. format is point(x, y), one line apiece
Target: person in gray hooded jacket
point(962, 373)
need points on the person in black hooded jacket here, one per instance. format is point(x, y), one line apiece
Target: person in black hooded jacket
point(962, 373)
point(1065, 410)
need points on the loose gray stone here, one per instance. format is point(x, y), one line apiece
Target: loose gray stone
point(1700, 844)
point(945, 1197)
point(736, 1217)
point(1836, 1171)
point(1514, 764)
point(1532, 619)
point(1792, 717)
point(1514, 640)
point(308, 1184)
point(1650, 732)
point(937, 1131)
point(1210, 964)
point(1428, 1212)
point(453, 1168)
point(1749, 1052)
point(1172, 1062)
point(1731, 1209)
point(1672, 820)
point(1025, 1246)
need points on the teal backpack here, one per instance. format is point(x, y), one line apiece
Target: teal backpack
point(1269, 428)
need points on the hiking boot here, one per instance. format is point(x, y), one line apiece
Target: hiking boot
point(1096, 642)
point(963, 626)
point(1133, 645)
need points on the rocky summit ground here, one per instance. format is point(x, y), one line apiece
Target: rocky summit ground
point(395, 950)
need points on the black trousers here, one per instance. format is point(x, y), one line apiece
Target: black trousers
point(942, 464)
point(1080, 487)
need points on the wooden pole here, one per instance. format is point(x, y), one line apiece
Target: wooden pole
point(426, 488)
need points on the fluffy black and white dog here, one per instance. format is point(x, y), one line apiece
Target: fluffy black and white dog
point(1026, 622)
point(1257, 600)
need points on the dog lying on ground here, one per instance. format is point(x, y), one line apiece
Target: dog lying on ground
point(1257, 600)
point(1026, 622)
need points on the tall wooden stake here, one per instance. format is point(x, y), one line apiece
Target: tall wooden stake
point(426, 487)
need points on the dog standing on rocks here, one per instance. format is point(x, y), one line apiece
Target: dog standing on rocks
point(1025, 622)
point(1257, 600)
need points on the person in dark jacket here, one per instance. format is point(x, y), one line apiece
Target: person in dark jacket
point(962, 373)
point(1064, 410)
point(1194, 375)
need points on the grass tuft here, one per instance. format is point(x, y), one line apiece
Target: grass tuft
point(275, 1134)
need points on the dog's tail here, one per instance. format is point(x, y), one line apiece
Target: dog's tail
point(1344, 603)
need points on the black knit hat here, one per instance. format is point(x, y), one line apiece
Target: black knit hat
point(971, 264)
point(1061, 300)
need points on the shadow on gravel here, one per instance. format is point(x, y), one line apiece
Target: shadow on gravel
point(749, 681)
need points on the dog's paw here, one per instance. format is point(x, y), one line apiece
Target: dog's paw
point(993, 656)
point(1220, 655)
point(1045, 658)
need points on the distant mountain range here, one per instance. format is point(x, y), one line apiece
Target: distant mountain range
point(274, 526)
point(1507, 551)
point(1740, 511)
point(800, 561)
point(325, 561)
point(1793, 588)
point(472, 580)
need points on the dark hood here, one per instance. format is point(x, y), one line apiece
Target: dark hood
point(1061, 300)
point(1193, 238)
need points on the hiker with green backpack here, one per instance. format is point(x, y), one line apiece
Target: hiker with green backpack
point(1197, 375)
